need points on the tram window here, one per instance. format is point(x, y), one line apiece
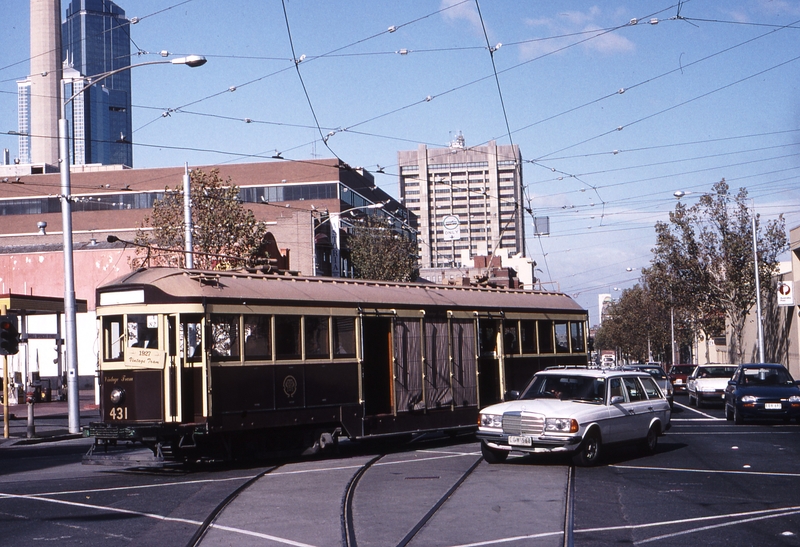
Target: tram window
point(257, 337)
point(225, 337)
point(545, 329)
point(344, 337)
point(562, 339)
point(142, 331)
point(488, 337)
point(317, 337)
point(576, 336)
point(191, 338)
point(112, 338)
point(510, 338)
point(527, 331)
point(287, 336)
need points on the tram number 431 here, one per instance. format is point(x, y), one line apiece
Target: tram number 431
point(119, 413)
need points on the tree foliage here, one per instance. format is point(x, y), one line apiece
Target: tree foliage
point(224, 234)
point(638, 325)
point(703, 263)
point(378, 253)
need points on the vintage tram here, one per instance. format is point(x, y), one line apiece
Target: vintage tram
point(206, 364)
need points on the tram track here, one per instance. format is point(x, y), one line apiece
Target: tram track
point(348, 526)
point(198, 536)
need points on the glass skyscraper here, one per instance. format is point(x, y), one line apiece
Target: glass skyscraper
point(95, 40)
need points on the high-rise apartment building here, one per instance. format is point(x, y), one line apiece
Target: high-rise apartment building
point(467, 201)
point(95, 40)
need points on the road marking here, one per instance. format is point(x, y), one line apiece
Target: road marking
point(709, 416)
point(155, 516)
point(712, 471)
point(751, 516)
point(510, 539)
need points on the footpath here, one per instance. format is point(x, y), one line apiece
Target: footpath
point(50, 421)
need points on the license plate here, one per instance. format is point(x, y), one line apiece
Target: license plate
point(678, 381)
point(520, 441)
point(772, 406)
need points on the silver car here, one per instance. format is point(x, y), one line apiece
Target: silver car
point(658, 374)
point(576, 411)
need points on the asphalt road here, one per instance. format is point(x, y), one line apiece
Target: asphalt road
point(709, 483)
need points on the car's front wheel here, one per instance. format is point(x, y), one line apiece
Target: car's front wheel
point(589, 452)
point(737, 416)
point(493, 455)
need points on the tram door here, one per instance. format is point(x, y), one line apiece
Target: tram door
point(184, 367)
point(376, 375)
point(490, 362)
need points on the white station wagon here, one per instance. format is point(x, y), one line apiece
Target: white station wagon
point(576, 411)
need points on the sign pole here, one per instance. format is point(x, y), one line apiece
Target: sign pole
point(3, 311)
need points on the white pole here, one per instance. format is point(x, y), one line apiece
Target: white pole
point(758, 293)
point(70, 330)
point(187, 217)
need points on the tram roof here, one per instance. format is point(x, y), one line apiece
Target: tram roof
point(173, 285)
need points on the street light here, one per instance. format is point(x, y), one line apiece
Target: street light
point(678, 195)
point(70, 320)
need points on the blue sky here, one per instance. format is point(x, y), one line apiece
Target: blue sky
point(611, 117)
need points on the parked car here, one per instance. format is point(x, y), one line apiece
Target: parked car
point(576, 411)
point(762, 390)
point(678, 375)
point(655, 370)
point(708, 382)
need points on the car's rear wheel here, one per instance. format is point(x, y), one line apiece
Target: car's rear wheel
point(589, 452)
point(493, 455)
point(651, 441)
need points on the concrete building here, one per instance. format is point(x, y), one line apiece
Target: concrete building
point(43, 85)
point(96, 39)
point(295, 199)
point(468, 201)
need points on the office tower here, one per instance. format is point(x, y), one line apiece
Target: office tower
point(24, 120)
point(95, 40)
point(468, 201)
point(42, 96)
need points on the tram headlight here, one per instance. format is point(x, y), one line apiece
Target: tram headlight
point(117, 396)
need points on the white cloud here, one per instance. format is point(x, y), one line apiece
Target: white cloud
point(461, 12)
point(572, 27)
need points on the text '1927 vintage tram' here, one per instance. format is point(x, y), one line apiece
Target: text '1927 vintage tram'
point(198, 364)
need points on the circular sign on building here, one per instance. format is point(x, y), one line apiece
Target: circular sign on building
point(452, 228)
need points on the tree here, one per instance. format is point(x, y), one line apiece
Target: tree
point(379, 253)
point(638, 325)
point(703, 262)
point(224, 234)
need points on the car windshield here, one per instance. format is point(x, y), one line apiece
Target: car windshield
point(715, 372)
point(566, 388)
point(767, 377)
point(679, 369)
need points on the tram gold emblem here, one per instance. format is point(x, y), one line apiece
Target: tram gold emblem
point(290, 386)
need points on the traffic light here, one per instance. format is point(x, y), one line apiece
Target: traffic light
point(9, 335)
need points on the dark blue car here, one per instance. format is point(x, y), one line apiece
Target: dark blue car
point(763, 391)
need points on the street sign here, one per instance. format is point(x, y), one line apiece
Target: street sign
point(452, 228)
point(785, 294)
